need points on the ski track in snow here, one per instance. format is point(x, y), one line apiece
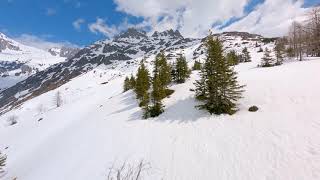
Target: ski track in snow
point(98, 126)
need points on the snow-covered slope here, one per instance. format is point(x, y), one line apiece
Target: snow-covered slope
point(127, 46)
point(98, 127)
point(18, 61)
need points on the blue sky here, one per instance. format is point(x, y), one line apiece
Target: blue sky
point(56, 20)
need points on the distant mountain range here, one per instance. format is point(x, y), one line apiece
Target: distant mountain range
point(128, 46)
point(19, 61)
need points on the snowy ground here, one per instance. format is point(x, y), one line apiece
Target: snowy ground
point(98, 125)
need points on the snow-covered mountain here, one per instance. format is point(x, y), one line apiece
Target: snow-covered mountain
point(19, 61)
point(99, 127)
point(127, 46)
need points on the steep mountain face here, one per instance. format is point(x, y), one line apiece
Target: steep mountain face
point(18, 61)
point(66, 52)
point(5, 43)
point(127, 46)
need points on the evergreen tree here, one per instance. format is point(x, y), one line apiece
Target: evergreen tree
point(232, 58)
point(181, 70)
point(142, 84)
point(267, 60)
point(245, 55)
point(196, 65)
point(126, 84)
point(132, 82)
point(157, 94)
point(200, 89)
point(279, 50)
point(218, 88)
point(162, 69)
point(3, 159)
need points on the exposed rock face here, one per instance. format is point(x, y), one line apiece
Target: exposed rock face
point(66, 52)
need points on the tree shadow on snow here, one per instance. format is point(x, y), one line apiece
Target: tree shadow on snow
point(183, 111)
point(129, 101)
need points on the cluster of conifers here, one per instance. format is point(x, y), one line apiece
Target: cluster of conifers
point(150, 91)
point(217, 88)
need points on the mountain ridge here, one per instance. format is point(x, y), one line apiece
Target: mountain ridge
point(128, 45)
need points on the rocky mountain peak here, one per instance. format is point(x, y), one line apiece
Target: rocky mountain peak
point(168, 33)
point(132, 33)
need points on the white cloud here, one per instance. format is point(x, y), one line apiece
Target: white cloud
point(41, 42)
point(100, 26)
point(271, 18)
point(50, 11)
point(192, 17)
point(195, 17)
point(77, 23)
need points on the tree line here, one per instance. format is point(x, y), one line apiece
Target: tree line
point(304, 38)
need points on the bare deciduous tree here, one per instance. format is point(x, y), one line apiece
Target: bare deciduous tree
point(41, 108)
point(128, 171)
point(304, 37)
point(3, 159)
point(58, 99)
point(12, 120)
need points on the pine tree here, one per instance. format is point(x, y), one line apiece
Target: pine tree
point(218, 87)
point(196, 65)
point(200, 89)
point(232, 58)
point(132, 82)
point(3, 159)
point(162, 69)
point(267, 60)
point(245, 55)
point(126, 84)
point(181, 70)
point(157, 94)
point(142, 84)
point(279, 50)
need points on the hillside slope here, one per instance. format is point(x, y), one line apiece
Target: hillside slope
point(99, 126)
point(19, 61)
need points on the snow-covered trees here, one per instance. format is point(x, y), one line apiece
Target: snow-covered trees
point(3, 159)
point(245, 56)
point(181, 70)
point(267, 60)
point(279, 50)
point(218, 88)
